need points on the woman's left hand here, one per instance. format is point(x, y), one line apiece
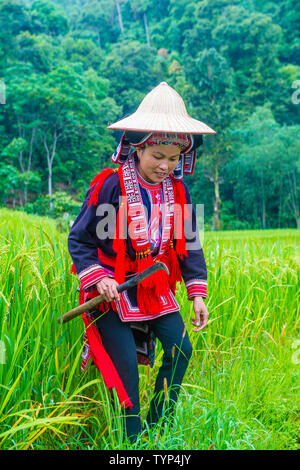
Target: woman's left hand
point(201, 314)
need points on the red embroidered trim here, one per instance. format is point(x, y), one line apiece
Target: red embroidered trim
point(196, 287)
point(91, 275)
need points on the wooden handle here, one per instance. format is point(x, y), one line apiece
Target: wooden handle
point(133, 281)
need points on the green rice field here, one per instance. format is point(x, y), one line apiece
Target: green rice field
point(241, 390)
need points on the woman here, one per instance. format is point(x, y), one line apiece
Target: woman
point(155, 221)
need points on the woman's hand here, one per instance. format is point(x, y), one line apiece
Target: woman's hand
point(108, 288)
point(201, 314)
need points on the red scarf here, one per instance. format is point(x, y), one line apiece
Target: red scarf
point(150, 290)
point(156, 284)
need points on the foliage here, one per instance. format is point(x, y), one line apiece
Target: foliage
point(63, 205)
point(241, 390)
point(72, 67)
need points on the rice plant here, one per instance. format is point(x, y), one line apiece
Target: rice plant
point(241, 390)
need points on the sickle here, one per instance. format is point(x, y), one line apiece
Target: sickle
point(132, 282)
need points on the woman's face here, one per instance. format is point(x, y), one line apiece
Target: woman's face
point(156, 162)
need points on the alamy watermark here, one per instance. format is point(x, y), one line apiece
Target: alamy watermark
point(296, 94)
point(2, 352)
point(2, 92)
point(184, 226)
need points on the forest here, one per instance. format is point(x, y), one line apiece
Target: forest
point(70, 68)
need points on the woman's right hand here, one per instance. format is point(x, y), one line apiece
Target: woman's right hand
point(108, 288)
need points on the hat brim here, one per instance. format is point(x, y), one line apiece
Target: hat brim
point(157, 123)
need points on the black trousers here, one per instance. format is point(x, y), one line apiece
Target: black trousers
point(118, 340)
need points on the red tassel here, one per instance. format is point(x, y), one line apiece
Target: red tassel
point(73, 269)
point(81, 295)
point(161, 280)
point(175, 273)
point(180, 201)
point(144, 261)
point(97, 182)
point(119, 245)
point(147, 298)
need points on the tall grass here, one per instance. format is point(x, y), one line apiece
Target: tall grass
point(241, 390)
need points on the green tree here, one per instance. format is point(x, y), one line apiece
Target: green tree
point(35, 49)
point(213, 88)
point(9, 179)
point(134, 63)
point(141, 7)
point(48, 18)
point(22, 120)
point(83, 51)
point(289, 169)
point(68, 105)
point(265, 169)
point(14, 18)
point(97, 18)
point(250, 41)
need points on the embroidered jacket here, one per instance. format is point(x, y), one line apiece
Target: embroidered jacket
point(85, 246)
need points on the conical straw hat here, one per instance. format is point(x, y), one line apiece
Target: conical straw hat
point(162, 110)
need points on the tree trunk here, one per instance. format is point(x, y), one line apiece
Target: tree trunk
point(217, 221)
point(120, 16)
point(50, 157)
point(50, 186)
point(146, 29)
point(29, 163)
point(30, 148)
point(20, 157)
